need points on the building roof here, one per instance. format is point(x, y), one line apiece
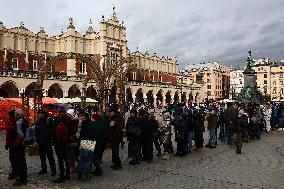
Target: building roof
point(209, 65)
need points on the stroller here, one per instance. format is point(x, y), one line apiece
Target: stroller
point(86, 153)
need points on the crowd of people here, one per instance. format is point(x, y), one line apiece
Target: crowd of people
point(184, 125)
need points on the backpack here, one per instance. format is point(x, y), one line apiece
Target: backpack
point(29, 134)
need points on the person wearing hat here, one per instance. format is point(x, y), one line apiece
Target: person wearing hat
point(96, 133)
point(43, 135)
point(116, 125)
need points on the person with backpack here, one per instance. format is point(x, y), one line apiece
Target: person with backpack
point(20, 148)
point(62, 125)
point(44, 135)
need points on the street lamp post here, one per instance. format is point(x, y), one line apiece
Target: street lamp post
point(181, 84)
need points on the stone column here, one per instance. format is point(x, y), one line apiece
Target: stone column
point(65, 93)
point(164, 101)
point(145, 98)
point(186, 100)
point(45, 92)
point(133, 97)
point(155, 101)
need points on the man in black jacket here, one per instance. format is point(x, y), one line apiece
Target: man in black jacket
point(44, 130)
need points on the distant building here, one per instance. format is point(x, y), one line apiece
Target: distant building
point(215, 78)
point(270, 78)
point(236, 83)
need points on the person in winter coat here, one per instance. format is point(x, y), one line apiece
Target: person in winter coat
point(11, 133)
point(43, 135)
point(156, 133)
point(96, 131)
point(190, 131)
point(146, 135)
point(19, 147)
point(255, 120)
point(198, 123)
point(212, 124)
point(230, 115)
point(133, 133)
point(179, 123)
point(62, 125)
point(239, 125)
point(116, 125)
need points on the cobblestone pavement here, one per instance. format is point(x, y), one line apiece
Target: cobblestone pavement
point(260, 166)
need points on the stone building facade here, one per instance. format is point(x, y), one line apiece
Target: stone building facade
point(236, 83)
point(215, 77)
point(23, 53)
point(270, 78)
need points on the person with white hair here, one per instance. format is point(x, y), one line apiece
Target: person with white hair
point(20, 160)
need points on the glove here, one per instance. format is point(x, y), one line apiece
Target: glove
point(6, 147)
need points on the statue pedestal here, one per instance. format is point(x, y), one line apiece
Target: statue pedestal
point(250, 91)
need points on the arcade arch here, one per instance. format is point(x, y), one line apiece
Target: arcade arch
point(9, 90)
point(74, 91)
point(91, 92)
point(139, 96)
point(55, 91)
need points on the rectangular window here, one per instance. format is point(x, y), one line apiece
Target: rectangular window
point(161, 79)
point(281, 75)
point(208, 86)
point(265, 81)
point(34, 65)
point(83, 68)
point(144, 77)
point(15, 65)
point(265, 75)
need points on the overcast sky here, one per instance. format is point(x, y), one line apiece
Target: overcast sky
point(197, 30)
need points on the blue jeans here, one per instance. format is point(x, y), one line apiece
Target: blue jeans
point(189, 141)
point(229, 134)
point(212, 139)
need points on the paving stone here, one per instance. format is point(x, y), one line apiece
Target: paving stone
point(261, 165)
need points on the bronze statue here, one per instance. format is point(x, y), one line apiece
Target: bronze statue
point(249, 60)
